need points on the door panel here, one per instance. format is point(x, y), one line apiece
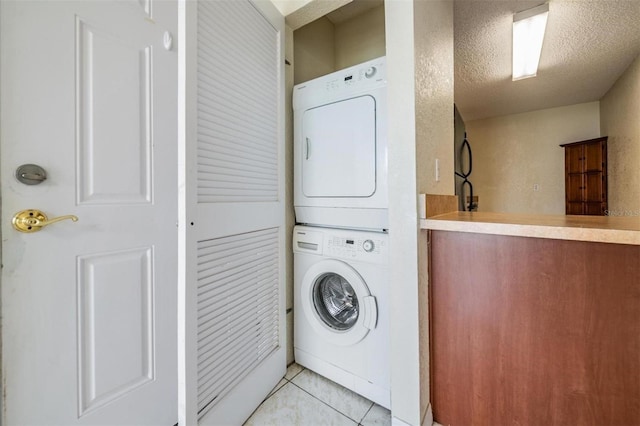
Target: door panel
point(574, 158)
point(232, 226)
point(575, 189)
point(575, 208)
point(594, 187)
point(594, 157)
point(114, 116)
point(237, 123)
point(89, 93)
point(339, 149)
point(595, 209)
point(237, 310)
point(122, 279)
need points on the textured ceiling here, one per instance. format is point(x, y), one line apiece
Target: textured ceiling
point(588, 44)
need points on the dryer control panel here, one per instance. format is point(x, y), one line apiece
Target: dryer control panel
point(361, 78)
point(342, 244)
point(364, 75)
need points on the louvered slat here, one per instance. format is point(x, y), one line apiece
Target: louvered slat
point(237, 119)
point(226, 140)
point(240, 369)
point(218, 299)
point(210, 112)
point(210, 346)
point(226, 354)
point(243, 44)
point(222, 171)
point(216, 313)
point(237, 310)
point(215, 261)
point(213, 370)
point(218, 282)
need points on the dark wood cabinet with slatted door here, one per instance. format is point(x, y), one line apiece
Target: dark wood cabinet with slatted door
point(586, 177)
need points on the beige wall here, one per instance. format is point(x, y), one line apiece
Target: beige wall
point(360, 39)
point(512, 153)
point(620, 120)
point(434, 96)
point(313, 50)
point(322, 47)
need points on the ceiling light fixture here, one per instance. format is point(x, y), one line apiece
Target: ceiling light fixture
point(528, 33)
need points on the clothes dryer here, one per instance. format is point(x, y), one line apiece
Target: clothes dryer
point(341, 308)
point(340, 148)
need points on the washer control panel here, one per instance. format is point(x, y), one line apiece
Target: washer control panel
point(355, 245)
point(364, 246)
point(368, 246)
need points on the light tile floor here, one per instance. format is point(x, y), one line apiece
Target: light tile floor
point(304, 398)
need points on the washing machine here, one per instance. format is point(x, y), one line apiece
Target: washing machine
point(341, 308)
point(340, 148)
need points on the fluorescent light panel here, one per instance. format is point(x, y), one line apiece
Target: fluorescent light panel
point(528, 33)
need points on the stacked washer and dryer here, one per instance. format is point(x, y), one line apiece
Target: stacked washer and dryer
point(340, 245)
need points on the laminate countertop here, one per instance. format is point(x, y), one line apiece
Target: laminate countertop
point(601, 229)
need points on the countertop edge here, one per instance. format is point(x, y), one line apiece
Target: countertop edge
point(612, 236)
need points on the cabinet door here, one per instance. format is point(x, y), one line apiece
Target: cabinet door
point(594, 187)
point(586, 177)
point(574, 159)
point(575, 187)
point(595, 209)
point(571, 323)
point(575, 208)
point(593, 154)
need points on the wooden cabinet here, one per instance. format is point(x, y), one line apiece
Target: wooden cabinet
point(531, 331)
point(586, 176)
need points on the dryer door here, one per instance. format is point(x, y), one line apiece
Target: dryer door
point(339, 149)
point(337, 303)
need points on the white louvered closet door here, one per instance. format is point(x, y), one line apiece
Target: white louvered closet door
point(232, 318)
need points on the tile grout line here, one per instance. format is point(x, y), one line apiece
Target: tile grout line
point(295, 375)
point(358, 423)
point(365, 414)
point(280, 388)
point(333, 408)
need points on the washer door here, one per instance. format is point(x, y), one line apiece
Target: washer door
point(337, 303)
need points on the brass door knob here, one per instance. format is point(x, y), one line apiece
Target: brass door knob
point(34, 220)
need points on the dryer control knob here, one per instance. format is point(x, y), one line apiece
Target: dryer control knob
point(370, 72)
point(368, 246)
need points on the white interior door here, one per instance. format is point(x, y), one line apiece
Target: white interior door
point(232, 228)
point(89, 314)
point(339, 149)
